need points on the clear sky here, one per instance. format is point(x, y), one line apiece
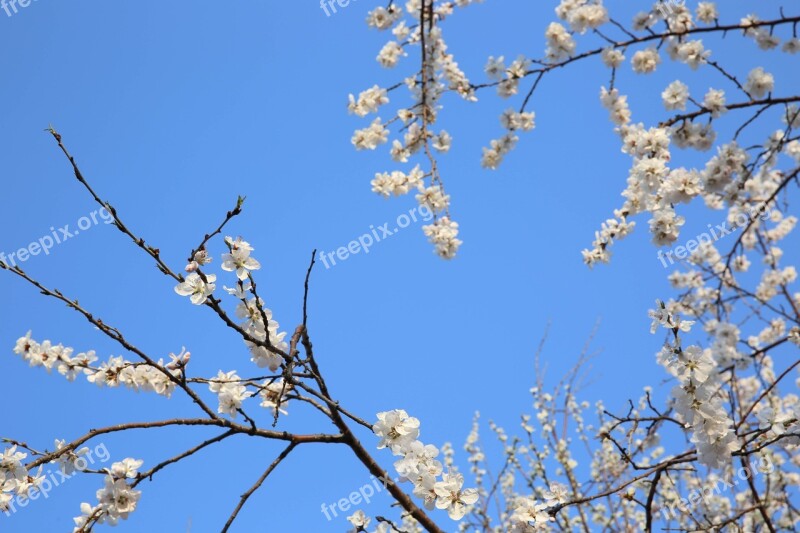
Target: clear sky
point(174, 108)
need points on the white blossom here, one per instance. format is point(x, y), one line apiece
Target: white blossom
point(759, 83)
point(197, 288)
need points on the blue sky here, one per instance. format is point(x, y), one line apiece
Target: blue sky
point(173, 109)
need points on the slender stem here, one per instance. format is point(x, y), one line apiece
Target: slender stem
point(257, 485)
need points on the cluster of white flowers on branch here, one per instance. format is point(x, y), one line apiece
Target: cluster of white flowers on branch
point(15, 479)
point(112, 373)
point(296, 377)
point(730, 405)
point(633, 479)
point(653, 187)
point(399, 432)
point(697, 397)
point(116, 500)
point(437, 74)
point(728, 400)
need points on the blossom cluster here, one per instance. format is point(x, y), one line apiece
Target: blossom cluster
point(116, 500)
point(360, 522)
point(729, 395)
point(200, 286)
point(114, 372)
point(229, 388)
point(765, 39)
point(656, 189)
point(498, 148)
point(697, 397)
point(231, 391)
point(418, 464)
point(118, 496)
point(263, 339)
point(15, 479)
point(576, 17)
point(653, 187)
point(439, 73)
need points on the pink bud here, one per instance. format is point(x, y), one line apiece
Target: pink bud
point(201, 257)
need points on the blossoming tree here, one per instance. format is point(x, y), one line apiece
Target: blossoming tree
point(721, 454)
